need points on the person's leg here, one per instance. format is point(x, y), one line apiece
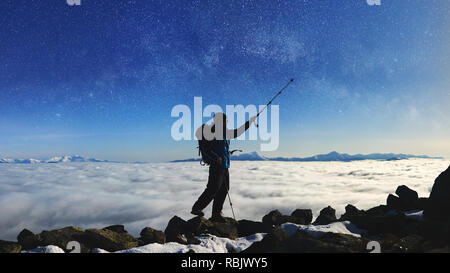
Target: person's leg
point(221, 195)
point(215, 179)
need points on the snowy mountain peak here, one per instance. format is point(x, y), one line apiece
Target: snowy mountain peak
point(332, 156)
point(56, 159)
point(248, 156)
point(71, 158)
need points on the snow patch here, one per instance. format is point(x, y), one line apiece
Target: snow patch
point(415, 214)
point(45, 249)
point(319, 230)
point(208, 244)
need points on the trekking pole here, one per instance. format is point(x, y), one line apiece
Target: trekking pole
point(270, 102)
point(231, 205)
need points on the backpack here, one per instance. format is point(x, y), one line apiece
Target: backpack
point(204, 148)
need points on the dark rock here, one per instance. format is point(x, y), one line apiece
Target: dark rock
point(178, 230)
point(107, 239)
point(150, 236)
point(438, 232)
point(350, 212)
point(116, 228)
point(175, 230)
point(301, 242)
point(299, 216)
point(272, 218)
point(351, 243)
point(421, 203)
point(60, 237)
point(270, 242)
point(246, 228)
point(9, 247)
point(393, 202)
point(199, 225)
point(438, 206)
point(291, 219)
point(377, 211)
point(397, 224)
point(229, 229)
point(326, 216)
point(302, 216)
point(407, 196)
point(28, 240)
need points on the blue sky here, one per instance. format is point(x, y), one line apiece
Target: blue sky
point(101, 79)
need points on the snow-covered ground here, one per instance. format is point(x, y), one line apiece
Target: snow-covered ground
point(49, 196)
point(208, 244)
point(214, 244)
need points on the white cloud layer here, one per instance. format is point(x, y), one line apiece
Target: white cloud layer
point(49, 196)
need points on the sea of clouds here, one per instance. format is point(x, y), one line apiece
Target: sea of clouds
point(48, 196)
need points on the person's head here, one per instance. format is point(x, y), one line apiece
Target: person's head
point(220, 119)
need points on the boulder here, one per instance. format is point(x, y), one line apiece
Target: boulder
point(150, 236)
point(302, 216)
point(272, 218)
point(198, 225)
point(407, 196)
point(111, 238)
point(178, 231)
point(326, 216)
point(28, 240)
point(298, 216)
point(350, 212)
point(246, 228)
point(9, 247)
point(229, 229)
point(397, 224)
point(377, 211)
point(107, 239)
point(349, 242)
point(116, 228)
point(175, 230)
point(301, 242)
point(438, 205)
point(270, 242)
point(393, 202)
point(60, 237)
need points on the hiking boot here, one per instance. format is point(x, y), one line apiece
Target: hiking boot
point(197, 212)
point(218, 217)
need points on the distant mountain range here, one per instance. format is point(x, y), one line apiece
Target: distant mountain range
point(333, 156)
point(254, 156)
point(57, 159)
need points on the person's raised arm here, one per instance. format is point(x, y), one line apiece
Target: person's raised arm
point(230, 134)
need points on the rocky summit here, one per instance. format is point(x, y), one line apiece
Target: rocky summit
point(405, 223)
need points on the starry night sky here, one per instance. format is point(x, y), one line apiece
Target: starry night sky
point(101, 79)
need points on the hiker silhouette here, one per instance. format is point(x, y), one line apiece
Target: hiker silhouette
point(218, 157)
